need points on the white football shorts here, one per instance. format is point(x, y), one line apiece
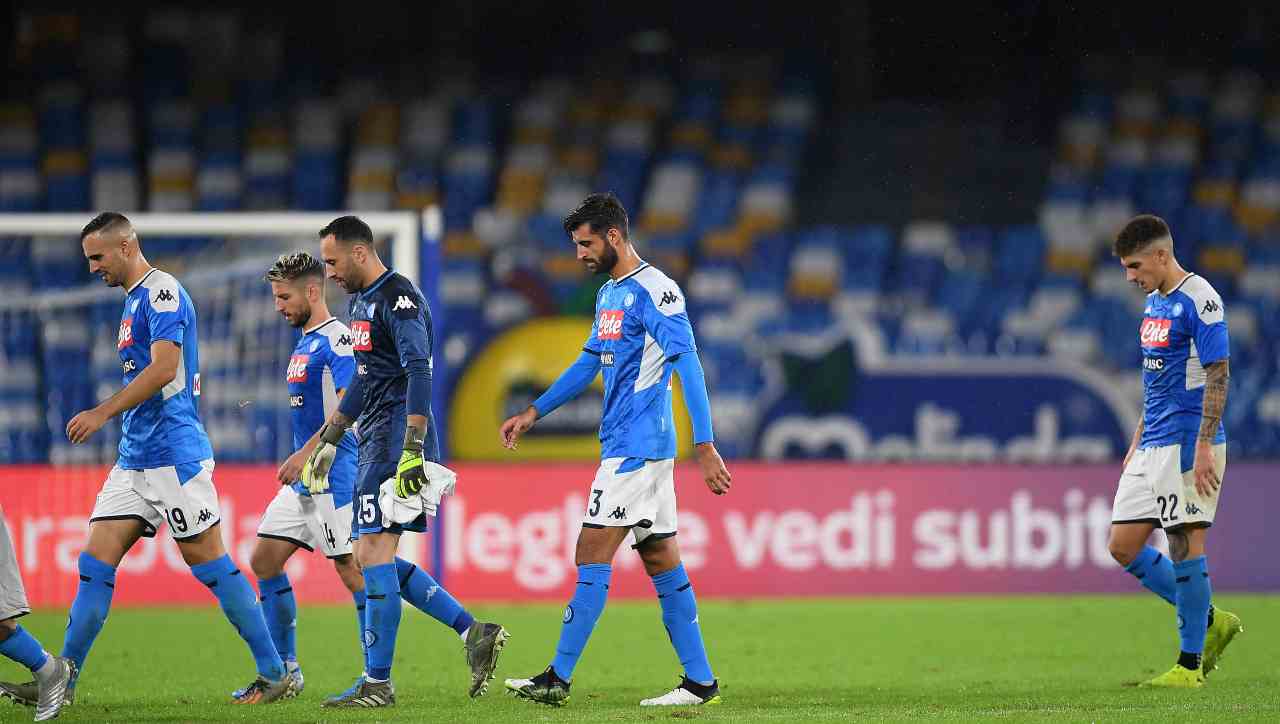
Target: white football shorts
point(1154, 489)
point(13, 596)
point(308, 521)
point(182, 495)
point(642, 499)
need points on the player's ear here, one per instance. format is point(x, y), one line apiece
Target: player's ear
point(614, 237)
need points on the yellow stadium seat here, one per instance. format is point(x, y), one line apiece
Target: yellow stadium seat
point(171, 184)
point(756, 222)
point(65, 162)
point(726, 243)
point(268, 136)
point(415, 200)
point(373, 180)
point(690, 134)
point(540, 135)
point(1215, 192)
point(581, 159)
point(463, 245)
point(662, 222)
point(731, 157)
point(1255, 218)
point(1069, 261)
point(1225, 259)
point(804, 286)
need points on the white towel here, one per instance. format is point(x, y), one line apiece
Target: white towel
point(440, 482)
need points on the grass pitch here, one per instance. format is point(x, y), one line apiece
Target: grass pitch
point(1033, 658)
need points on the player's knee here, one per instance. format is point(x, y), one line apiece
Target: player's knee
point(7, 627)
point(263, 565)
point(1121, 551)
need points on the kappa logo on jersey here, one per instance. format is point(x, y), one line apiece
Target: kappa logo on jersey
point(1155, 332)
point(1193, 509)
point(204, 515)
point(1210, 306)
point(610, 326)
point(164, 296)
point(361, 339)
point(668, 297)
point(619, 513)
point(404, 308)
point(344, 340)
point(298, 368)
point(125, 337)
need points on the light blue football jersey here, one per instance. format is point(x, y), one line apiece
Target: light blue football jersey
point(1181, 332)
point(640, 327)
point(165, 429)
point(322, 363)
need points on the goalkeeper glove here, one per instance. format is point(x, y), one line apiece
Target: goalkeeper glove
point(315, 473)
point(410, 476)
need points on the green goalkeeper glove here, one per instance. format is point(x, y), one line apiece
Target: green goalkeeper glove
point(410, 476)
point(315, 473)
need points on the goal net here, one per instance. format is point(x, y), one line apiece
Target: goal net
point(59, 325)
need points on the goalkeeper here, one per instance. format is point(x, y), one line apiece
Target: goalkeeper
point(390, 399)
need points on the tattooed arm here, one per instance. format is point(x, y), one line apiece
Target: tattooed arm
point(1215, 401)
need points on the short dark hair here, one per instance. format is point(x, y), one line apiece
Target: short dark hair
point(1138, 233)
point(349, 230)
point(298, 265)
point(602, 212)
point(105, 220)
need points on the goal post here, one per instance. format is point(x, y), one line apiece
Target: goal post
point(243, 339)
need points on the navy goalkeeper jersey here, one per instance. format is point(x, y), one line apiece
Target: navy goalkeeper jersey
point(390, 327)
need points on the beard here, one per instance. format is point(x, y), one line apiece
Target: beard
point(302, 319)
point(607, 261)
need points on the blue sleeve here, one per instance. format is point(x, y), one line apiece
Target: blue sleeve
point(352, 403)
point(167, 316)
point(418, 397)
point(570, 383)
point(1209, 329)
point(342, 362)
point(694, 384)
point(664, 317)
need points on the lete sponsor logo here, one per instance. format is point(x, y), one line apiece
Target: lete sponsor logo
point(361, 339)
point(298, 368)
point(125, 337)
point(1154, 332)
point(610, 326)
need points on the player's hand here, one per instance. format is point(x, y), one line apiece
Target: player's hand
point(82, 426)
point(517, 425)
point(291, 469)
point(315, 473)
point(714, 472)
point(410, 476)
point(1206, 479)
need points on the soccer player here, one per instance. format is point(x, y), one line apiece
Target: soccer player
point(390, 400)
point(165, 468)
point(319, 370)
point(1173, 470)
point(52, 673)
point(640, 336)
